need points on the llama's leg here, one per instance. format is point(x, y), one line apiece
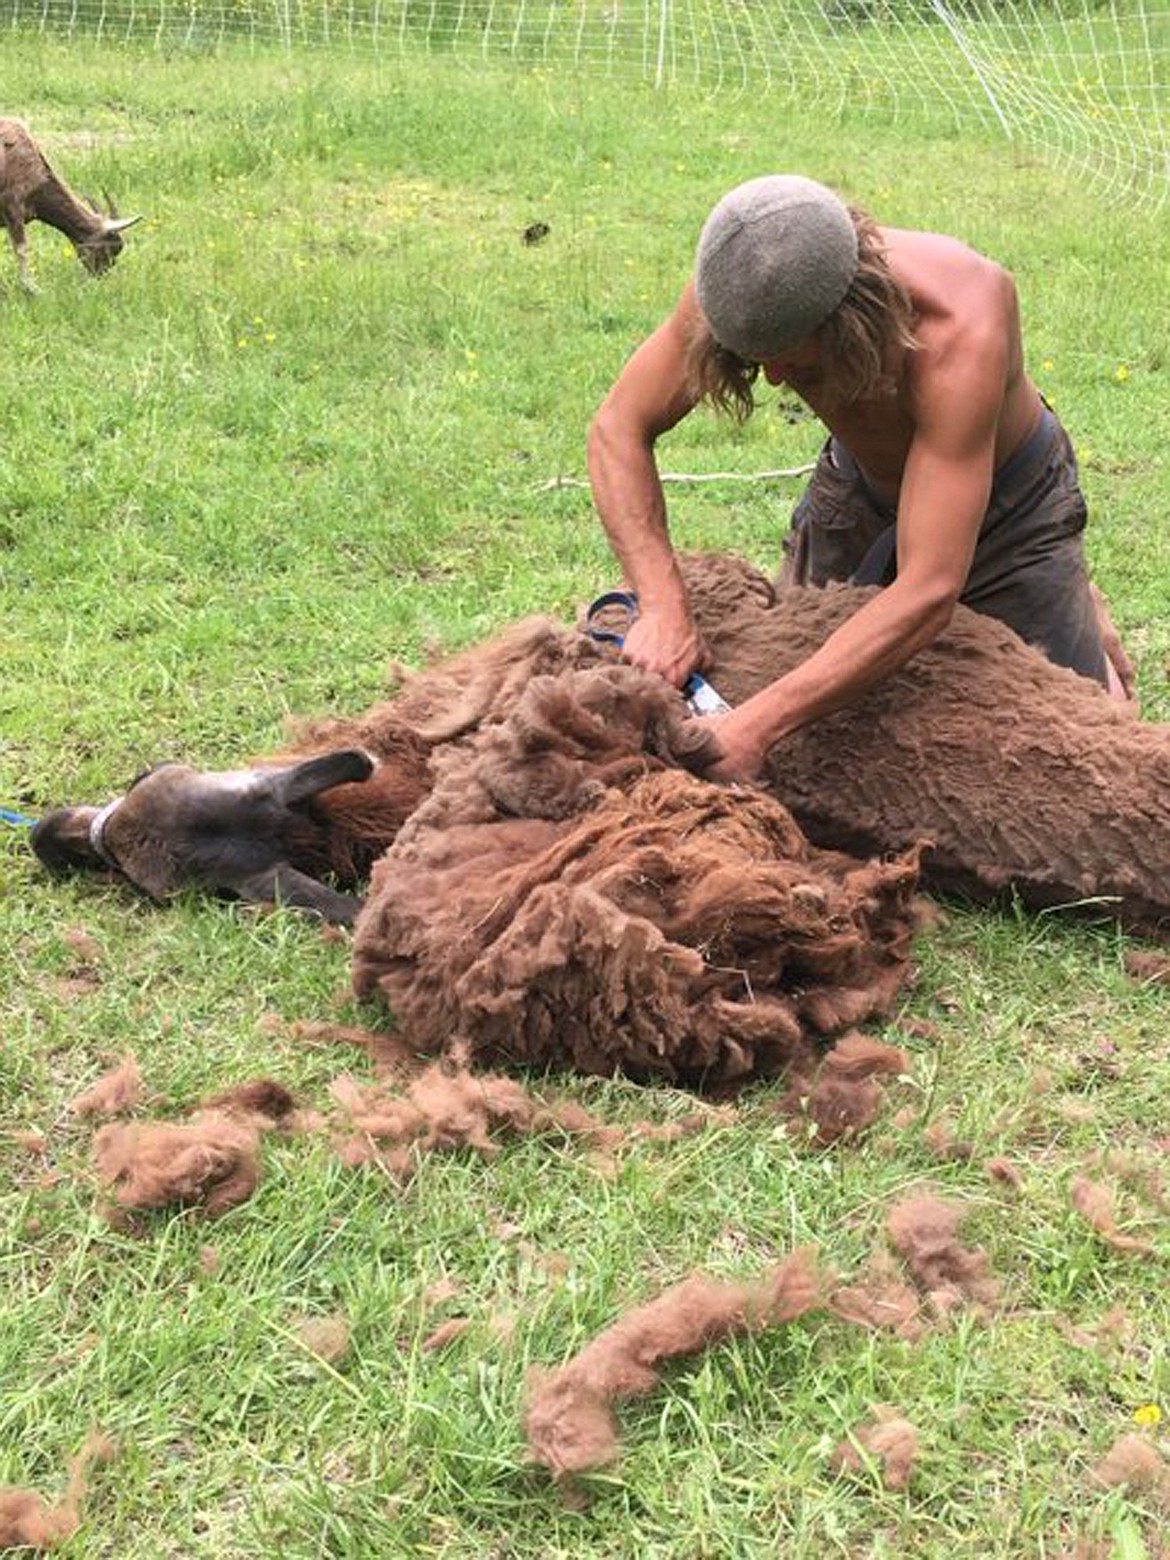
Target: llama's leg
point(284, 885)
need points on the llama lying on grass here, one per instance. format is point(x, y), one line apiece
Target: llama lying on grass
point(1021, 775)
point(31, 192)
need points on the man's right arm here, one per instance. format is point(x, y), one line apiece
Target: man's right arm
point(650, 396)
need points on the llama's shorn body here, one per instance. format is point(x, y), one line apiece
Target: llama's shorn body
point(1019, 775)
point(1022, 776)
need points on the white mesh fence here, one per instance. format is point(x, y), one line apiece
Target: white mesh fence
point(1087, 81)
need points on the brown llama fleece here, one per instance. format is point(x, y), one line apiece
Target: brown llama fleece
point(924, 1232)
point(210, 1162)
point(1095, 1204)
point(346, 828)
point(570, 1422)
point(841, 1096)
point(563, 899)
point(1133, 1463)
point(1021, 774)
point(888, 1440)
point(114, 1092)
point(448, 1107)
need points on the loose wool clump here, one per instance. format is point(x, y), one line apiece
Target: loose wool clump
point(447, 1107)
point(210, 1162)
point(923, 1231)
point(570, 1423)
point(28, 1521)
point(114, 1092)
point(888, 1439)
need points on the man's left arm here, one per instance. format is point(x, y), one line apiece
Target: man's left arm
point(943, 499)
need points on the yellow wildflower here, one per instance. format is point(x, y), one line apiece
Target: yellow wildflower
point(1148, 1414)
point(1122, 374)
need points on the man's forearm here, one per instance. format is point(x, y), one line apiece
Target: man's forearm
point(627, 492)
point(869, 647)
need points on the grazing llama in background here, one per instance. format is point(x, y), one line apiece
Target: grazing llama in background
point(31, 192)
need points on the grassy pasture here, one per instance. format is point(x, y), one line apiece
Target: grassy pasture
point(306, 426)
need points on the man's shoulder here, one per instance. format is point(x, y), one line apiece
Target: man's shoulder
point(959, 295)
point(919, 257)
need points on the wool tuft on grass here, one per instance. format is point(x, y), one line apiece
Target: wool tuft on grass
point(569, 1420)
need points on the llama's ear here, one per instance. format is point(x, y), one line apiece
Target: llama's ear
point(120, 224)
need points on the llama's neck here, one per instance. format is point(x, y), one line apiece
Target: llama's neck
point(54, 203)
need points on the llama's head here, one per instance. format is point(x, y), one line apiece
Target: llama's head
point(229, 831)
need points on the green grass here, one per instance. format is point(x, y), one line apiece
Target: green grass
point(306, 427)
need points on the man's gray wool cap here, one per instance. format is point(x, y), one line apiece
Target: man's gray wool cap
point(776, 257)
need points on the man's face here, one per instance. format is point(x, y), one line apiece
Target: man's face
point(798, 364)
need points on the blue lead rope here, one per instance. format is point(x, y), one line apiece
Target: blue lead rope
point(18, 820)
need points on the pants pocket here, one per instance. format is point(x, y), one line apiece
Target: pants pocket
point(834, 525)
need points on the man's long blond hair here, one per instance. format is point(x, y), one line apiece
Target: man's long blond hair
point(874, 318)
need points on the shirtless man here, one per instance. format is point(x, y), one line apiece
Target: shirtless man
point(945, 477)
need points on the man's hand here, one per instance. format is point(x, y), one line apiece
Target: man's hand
point(1123, 682)
point(666, 644)
point(743, 756)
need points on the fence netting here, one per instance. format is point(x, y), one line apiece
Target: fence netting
point(1087, 81)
